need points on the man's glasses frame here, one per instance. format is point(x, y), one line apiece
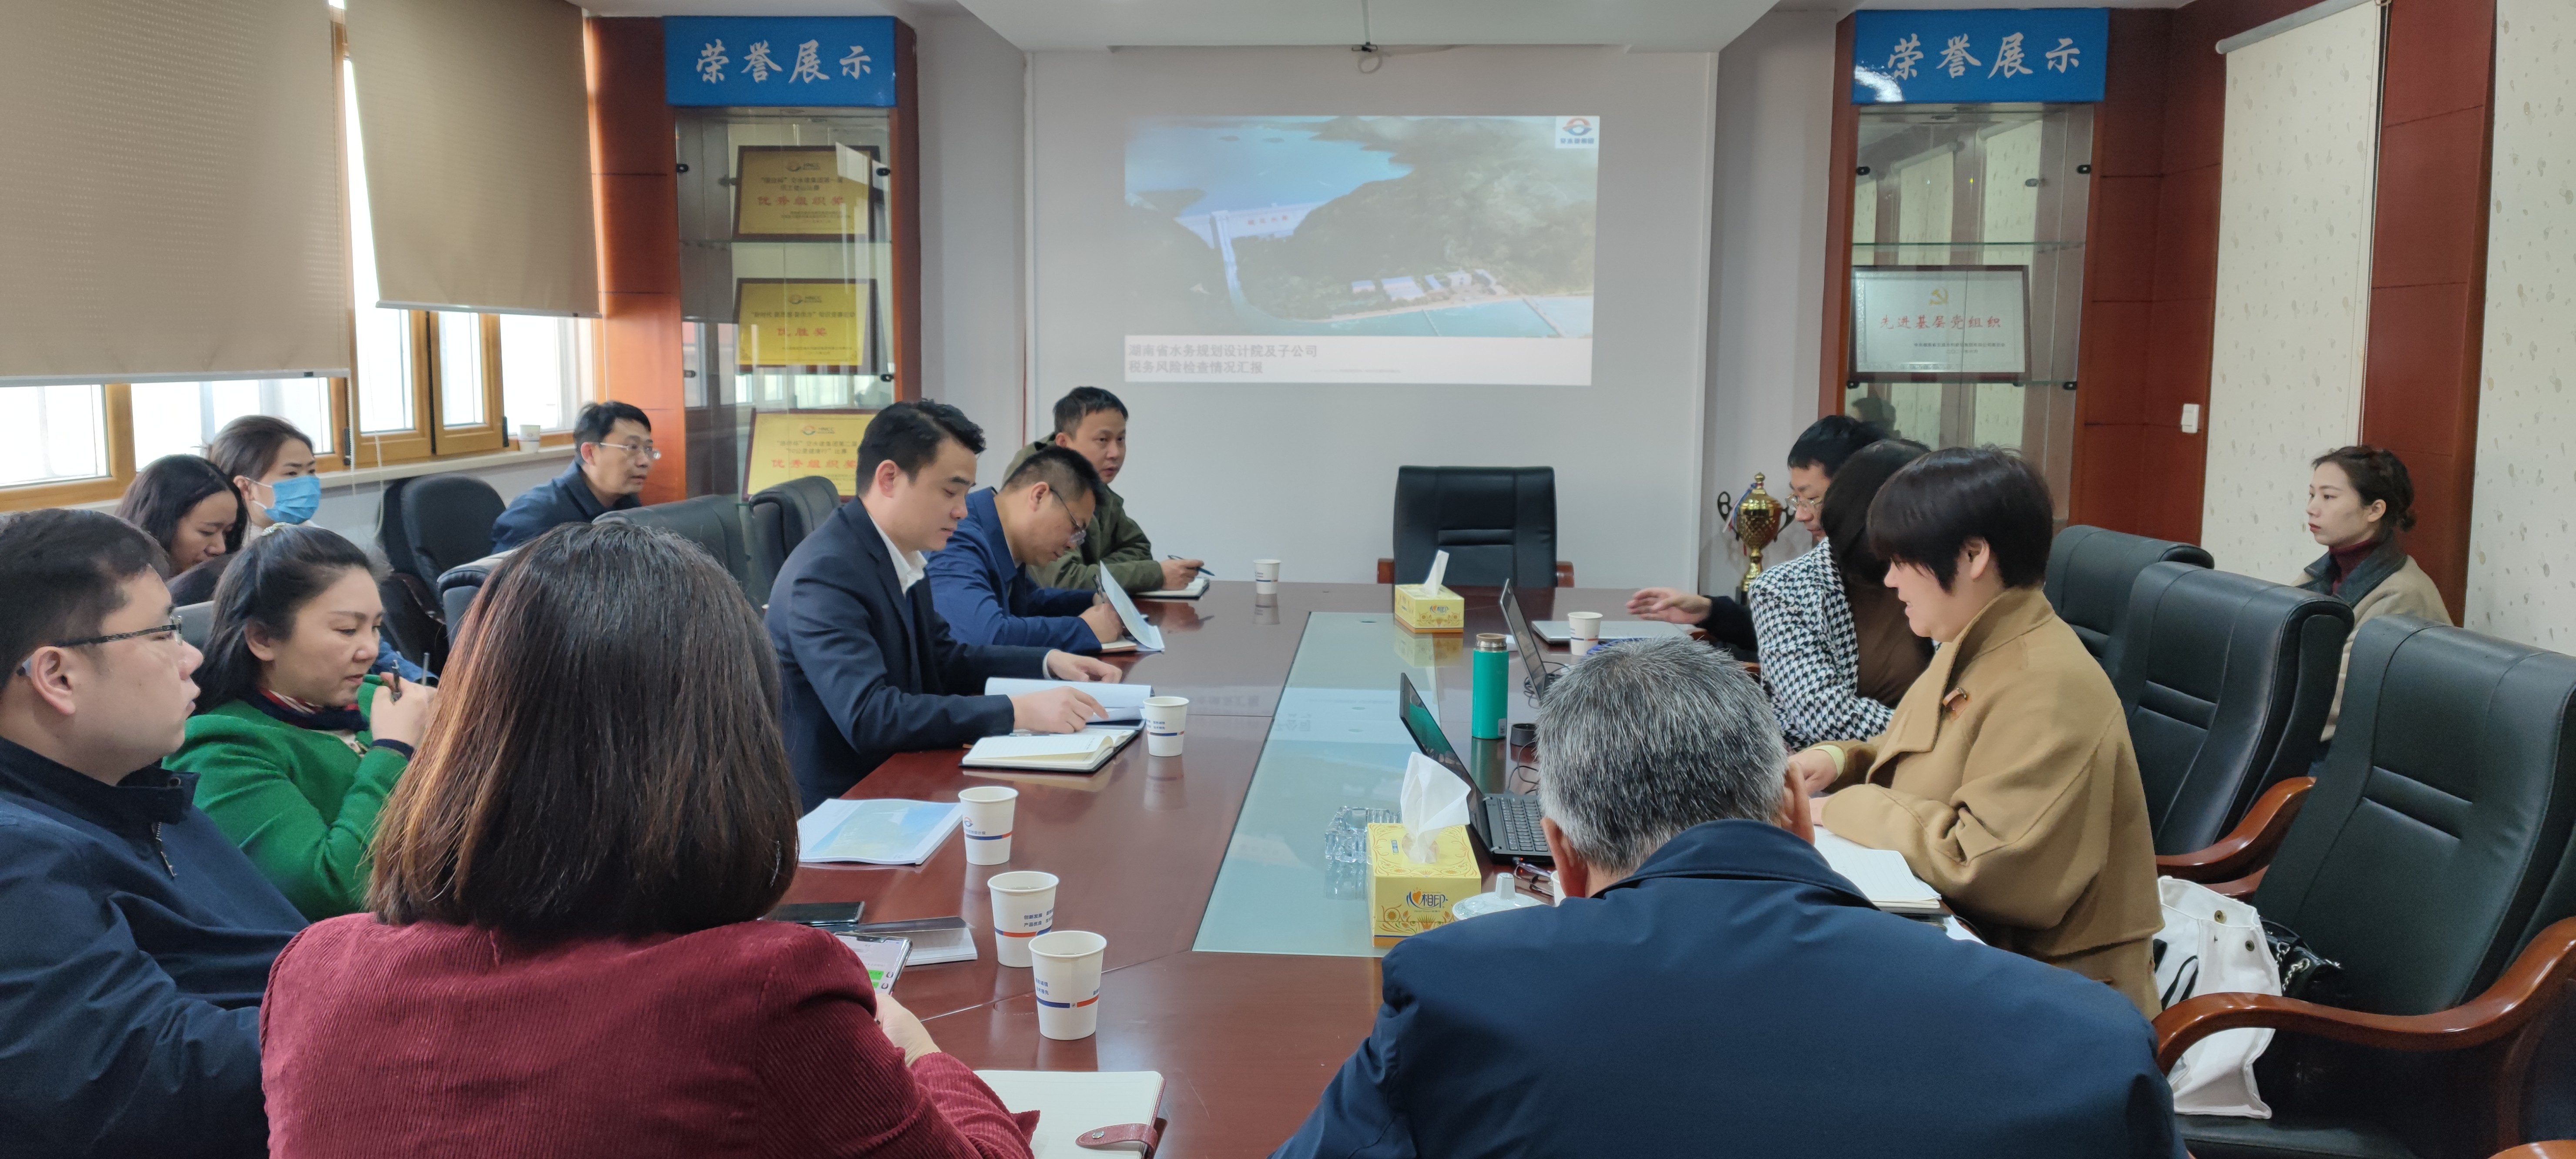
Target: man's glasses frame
point(173, 630)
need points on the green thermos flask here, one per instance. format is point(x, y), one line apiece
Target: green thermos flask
point(1493, 671)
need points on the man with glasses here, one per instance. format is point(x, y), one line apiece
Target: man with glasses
point(613, 454)
point(137, 939)
point(979, 582)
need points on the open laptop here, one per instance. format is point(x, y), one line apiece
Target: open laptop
point(1146, 636)
point(1533, 649)
point(1505, 823)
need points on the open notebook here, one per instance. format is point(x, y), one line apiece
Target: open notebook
point(1072, 752)
point(1071, 1102)
point(1882, 876)
point(1190, 591)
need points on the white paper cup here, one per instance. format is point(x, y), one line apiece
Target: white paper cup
point(1265, 576)
point(1583, 625)
point(989, 809)
point(1023, 909)
point(1167, 720)
point(1576, 647)
point(1068, 982)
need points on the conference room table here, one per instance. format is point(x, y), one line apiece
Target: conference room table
point(1244, 1041)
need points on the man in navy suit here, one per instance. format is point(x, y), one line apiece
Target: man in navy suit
point(1710, 986)
point(1040, 512)
point(867, 668)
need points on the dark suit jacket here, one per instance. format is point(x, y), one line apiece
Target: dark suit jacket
point(985, 597)
point(868, 670)
point(566, 498)
point(1735, 996)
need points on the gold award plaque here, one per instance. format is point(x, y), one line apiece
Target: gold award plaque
point(814, 327)
point(797, 193)
point(787, 444)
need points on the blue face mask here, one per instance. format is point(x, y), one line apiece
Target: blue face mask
point(296, 499)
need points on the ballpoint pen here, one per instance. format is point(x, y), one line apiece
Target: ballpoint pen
point(1203, 570)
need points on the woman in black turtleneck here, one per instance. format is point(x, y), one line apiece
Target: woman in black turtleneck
point(2359, 499)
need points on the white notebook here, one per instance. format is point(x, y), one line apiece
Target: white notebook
point(1123, 702)
point(876, 830)
point(1072, 752)
point(1881, 874)
point(1190, 591)
point(1070, 1102)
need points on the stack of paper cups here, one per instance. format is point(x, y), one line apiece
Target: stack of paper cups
point(1167, 720)
point(1068, 982)
point(1265, 576)
point(988, 823)
point(1023, 909)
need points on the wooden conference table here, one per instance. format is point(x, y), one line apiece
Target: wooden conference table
point(1245, 1041)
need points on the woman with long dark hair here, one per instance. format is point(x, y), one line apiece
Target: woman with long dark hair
point(1836, 652)
point(295, 745)
point(2359, 500)
point(193, 512)
point(565, 956)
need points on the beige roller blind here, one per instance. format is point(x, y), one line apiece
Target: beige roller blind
point(170, 198)
point(477, 130)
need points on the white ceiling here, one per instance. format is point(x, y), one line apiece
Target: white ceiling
point(1033, 25)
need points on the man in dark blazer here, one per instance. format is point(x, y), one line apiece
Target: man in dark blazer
point(867, 667)
point(1710, 986)
point(977, 582)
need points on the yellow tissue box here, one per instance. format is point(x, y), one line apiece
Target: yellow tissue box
point(1428, 609)
point(1406, 896)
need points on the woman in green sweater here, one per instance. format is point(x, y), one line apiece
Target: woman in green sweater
point(294, 745)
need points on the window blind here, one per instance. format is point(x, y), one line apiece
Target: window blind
point(170, 207)
point(477, 128)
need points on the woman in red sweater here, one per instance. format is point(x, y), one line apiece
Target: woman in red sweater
point(564, 957)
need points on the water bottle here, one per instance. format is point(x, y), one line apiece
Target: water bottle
point(1493, 669)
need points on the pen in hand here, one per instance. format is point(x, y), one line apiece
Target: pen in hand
point(1203, 568)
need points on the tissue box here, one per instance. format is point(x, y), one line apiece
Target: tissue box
point(1424, 608)
point(1406, 896)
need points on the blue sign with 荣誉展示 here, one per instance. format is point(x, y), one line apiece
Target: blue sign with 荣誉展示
point(1902, 56)
point(801, 61)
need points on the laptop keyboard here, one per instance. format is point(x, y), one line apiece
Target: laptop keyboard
point(1513, 822)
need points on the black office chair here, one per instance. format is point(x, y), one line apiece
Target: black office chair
point(2225, 681)
point(196, 622)
point(781, 517)
point(1496, 523)
point(714, 523)
point(2431, 860)
point(2090, 573)
point(426, 525)
point(457, 586)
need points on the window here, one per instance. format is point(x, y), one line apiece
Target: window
point(181, 418)
point(545, 370)
point(52, 434)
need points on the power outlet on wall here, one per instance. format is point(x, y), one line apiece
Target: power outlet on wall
point(2191, 418)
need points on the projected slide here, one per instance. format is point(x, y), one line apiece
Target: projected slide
point(1361, 249)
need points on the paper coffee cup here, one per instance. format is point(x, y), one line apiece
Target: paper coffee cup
point(1265, 575)
point(1023, 909)
point(1583, 625)
point(988, 823)
point(1068, 982)
point(1167, 720)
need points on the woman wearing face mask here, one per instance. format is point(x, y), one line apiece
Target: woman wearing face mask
point(2006, 775)
point(193, 512)
point(2359, 498)
point(270, 465)
point(295, 743)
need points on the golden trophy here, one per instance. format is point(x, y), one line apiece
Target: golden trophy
point(1756, 520)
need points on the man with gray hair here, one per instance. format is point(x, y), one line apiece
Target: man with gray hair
point(1709, 985)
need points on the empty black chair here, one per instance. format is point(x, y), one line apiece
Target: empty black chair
point(1496, 523)
point(2225, 680)
point(196, 622)
point(780, 517)
point(457, 586)
point(2090, 573)
point(2431, 853)
point(714, 523)
point(448, 519)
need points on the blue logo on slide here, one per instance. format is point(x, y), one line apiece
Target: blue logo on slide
point(1577, 133)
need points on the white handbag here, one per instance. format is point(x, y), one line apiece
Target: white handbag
point(2212, 944)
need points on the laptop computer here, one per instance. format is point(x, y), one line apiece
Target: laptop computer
point(1505, 823)
point(1533, 649)
point(1612, 631)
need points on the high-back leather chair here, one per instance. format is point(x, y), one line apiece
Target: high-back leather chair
point(196, 622)
point(1496, 523)
point(2433, 850)
point(2090, 572)
point(781, 517)
point(426, 525)
point(457, 586)
point(714, 523)
point(2225, 681)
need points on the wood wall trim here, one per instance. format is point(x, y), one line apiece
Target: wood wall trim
point(636, 192)
point(905, 120)
point(1834, 363)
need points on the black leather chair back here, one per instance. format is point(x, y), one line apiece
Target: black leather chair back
point(2434, 844)
point(1496, 523)
point(780, 517)
point(457, 586)
point(447, 520)
point(2225, 681)
point(196, 622)
point(714, 523)
point(2090, 573)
